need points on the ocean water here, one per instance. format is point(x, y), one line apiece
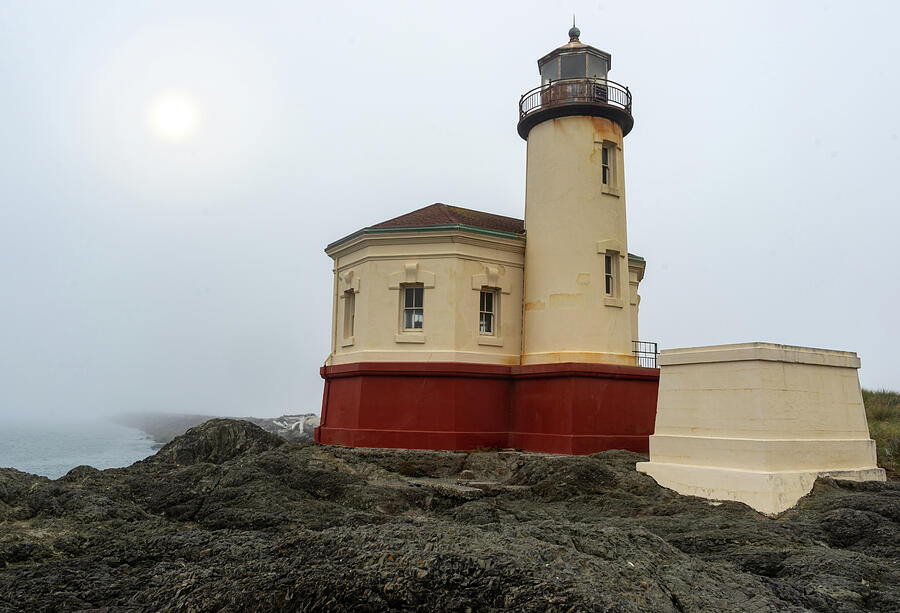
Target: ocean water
point(53, 448)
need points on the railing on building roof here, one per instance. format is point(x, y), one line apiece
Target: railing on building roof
point(645, 353)
point(575, 91)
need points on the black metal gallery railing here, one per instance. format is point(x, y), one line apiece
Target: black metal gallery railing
point(575, 91)
point(645, 353)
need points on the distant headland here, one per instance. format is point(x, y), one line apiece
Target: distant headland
point(163, 427)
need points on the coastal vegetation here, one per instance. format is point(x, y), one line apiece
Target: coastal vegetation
point(883, 414)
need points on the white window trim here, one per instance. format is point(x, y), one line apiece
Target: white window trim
point(493, 339)
point(348, 281)
point(613, 247)
point(347, 341)
point(409, 337)
point(495, 302)
point(490, 341)
point(403, 330)
point(493, 278)
point(410, 274)
point(615, 154)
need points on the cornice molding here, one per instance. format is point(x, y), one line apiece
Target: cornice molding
point(438, 235)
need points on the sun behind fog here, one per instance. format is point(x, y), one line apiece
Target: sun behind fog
point(174, 116)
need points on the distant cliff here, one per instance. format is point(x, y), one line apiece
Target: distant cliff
point(163, 427)
point(293, 428)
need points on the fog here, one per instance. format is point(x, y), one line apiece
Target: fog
point(139, 273)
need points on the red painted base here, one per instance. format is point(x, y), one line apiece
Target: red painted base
point(570, 408)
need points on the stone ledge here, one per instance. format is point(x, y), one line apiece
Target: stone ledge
point(771, 352)
point(768, 455)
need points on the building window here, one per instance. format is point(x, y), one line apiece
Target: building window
point(487, 312)
point(606, 158)
point(349, 312)
point(412, 307)
point(611, 263)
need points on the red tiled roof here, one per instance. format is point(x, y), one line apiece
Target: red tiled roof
point(443, 214)
point(439, 214)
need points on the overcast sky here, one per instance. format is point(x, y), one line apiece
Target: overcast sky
point(144, 273)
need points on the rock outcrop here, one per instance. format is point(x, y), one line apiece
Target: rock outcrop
point(216, 441)
point(229, 517)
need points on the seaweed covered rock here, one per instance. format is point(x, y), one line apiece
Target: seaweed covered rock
point(217, 441)
point(228, 517)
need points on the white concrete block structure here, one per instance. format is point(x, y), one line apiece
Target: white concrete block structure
point(758, 422)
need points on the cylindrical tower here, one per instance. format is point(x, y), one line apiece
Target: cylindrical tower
point(576, 302)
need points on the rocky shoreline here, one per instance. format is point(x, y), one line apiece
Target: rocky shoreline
point(230, 517)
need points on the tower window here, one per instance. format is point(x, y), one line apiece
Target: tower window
point(605, 159)
point(609, 166)
point(413, 314)
point(487, 314)
point(611, 262)
point(349, 313)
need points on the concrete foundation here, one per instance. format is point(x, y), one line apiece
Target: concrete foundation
point(758, 422)
point(565, 408)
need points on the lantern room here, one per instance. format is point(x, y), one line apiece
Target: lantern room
point(574, 60)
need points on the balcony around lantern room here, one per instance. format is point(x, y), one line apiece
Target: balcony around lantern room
point(576, 96)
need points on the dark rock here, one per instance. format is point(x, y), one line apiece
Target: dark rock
point(80, 473)
point(229, 517)
point(217, 441)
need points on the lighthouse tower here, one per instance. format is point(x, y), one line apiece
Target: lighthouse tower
point(454, 328)
point(577, 298)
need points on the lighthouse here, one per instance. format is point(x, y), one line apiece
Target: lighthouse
point(577, 302)
point(454, 328)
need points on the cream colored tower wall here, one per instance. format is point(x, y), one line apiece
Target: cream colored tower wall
point(758, 422)
point(572, 220)
point(452, 267)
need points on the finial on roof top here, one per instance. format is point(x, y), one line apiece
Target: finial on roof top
point(574, 32)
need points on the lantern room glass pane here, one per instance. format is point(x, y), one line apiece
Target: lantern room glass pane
point(597, 67)
point(550, 71)
point(573, 66)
